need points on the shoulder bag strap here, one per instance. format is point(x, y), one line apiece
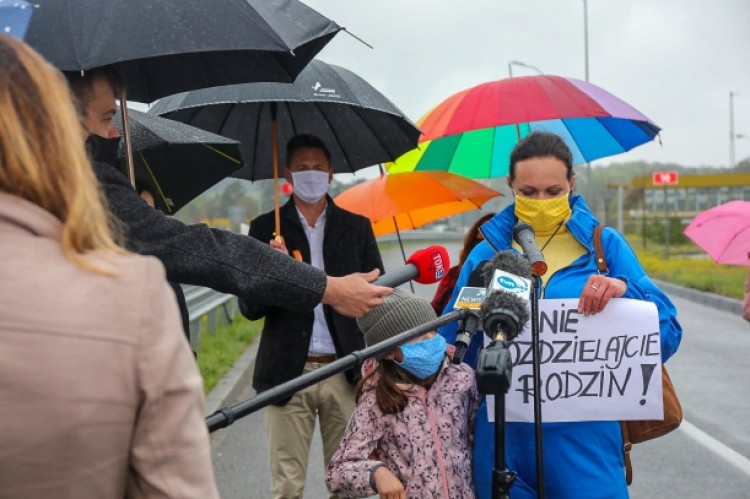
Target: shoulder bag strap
point(601, 260)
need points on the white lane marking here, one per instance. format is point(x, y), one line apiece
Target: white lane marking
point(727, 453)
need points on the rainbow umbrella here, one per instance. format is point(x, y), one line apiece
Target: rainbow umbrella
point(473, 132)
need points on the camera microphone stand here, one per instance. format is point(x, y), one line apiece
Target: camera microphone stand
point(537, 379)
point(493, 378)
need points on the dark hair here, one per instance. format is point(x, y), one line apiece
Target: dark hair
point(391, 398)
point(305, 140)
point(472, 238)
point(541, 145)
point(82, 85)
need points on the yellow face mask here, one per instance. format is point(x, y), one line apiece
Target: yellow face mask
point(545, 215)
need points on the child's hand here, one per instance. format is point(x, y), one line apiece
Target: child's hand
point(387, 485)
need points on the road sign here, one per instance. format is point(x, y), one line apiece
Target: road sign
point(665, 178)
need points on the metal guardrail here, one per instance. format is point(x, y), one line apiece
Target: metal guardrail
point(205, 302)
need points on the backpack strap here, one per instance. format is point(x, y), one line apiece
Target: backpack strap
point(601, 260)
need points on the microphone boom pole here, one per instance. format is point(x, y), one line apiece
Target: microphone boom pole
point(228, 415)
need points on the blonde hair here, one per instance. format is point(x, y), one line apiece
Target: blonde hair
point(42, 156)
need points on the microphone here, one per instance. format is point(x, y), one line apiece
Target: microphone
point(523, 234)
point(470, 298)
point(505, 313)
point(426, 266)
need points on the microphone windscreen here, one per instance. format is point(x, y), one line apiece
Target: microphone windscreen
point(500, 306)
point(432, 263)
point(507, 261)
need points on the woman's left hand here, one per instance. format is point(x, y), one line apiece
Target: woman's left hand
point(598, 291)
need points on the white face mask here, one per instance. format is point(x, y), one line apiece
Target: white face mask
point(310, 185)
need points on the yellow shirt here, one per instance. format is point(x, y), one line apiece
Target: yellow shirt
point(559, 250)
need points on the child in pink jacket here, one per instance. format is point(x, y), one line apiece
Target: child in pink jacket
point(410, 435)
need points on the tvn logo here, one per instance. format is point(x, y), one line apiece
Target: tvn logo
point(509, 283)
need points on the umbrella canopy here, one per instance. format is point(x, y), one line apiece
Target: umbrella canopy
point(359, 125)
point(723, 232)
point(176, 162)
point(404, 201)
point(473, 132)
point(167, 46)
point(15, 16)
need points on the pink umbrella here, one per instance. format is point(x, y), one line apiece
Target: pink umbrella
point(723, 232)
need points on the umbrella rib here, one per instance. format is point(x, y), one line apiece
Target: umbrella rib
point(575, 141)
point(156, 183)
point(256, 149)
point(338, 141)
point(222, 153)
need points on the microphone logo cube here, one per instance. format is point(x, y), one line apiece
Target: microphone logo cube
point(470, 298)
point(509, 283)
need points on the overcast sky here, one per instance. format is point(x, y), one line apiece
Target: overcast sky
point(674, 60)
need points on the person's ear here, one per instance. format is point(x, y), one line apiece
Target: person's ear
point(572, 183)
point(395, 355)
point(510, 184)
point(288, 174)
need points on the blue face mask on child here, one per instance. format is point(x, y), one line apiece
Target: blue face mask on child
point(423, 358)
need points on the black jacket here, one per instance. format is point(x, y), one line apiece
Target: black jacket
point(214, 258)
point(348, 246)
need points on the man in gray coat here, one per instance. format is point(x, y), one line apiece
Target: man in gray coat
point(196, 254)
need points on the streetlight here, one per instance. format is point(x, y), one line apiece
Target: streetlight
point(586, 38)
point(523, 65)
point(732, 135)
point(590, 185)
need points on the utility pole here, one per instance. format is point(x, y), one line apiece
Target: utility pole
point(590, 187)
point(731, 128)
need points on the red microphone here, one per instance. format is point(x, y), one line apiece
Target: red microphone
point(426, 266)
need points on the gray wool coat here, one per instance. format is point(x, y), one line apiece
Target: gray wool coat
point(214, 258)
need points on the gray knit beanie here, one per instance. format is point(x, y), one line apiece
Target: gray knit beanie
point(401, 311)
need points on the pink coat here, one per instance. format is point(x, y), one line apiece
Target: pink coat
point(427, 446)
point(99, 392)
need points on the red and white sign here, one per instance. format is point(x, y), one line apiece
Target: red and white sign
point(665, 178)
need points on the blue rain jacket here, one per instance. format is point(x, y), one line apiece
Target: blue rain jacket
point(582, 460)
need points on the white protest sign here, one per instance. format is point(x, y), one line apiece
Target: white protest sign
point(605, 366)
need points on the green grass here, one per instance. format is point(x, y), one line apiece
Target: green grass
point(219, 350)
point(689, 266)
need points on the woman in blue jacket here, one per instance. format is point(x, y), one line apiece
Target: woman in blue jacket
point(582, 460)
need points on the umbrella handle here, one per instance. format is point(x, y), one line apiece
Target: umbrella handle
point(275, 146)
point(126, 136)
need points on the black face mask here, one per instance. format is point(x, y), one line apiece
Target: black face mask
point(103, 150)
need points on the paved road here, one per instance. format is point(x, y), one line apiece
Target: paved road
point(708, 457)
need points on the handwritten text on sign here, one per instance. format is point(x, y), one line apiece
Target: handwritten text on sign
point(601, 367)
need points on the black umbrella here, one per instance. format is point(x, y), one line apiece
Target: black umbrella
point(359, 125)
point(176, 162)
point(168, 46)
